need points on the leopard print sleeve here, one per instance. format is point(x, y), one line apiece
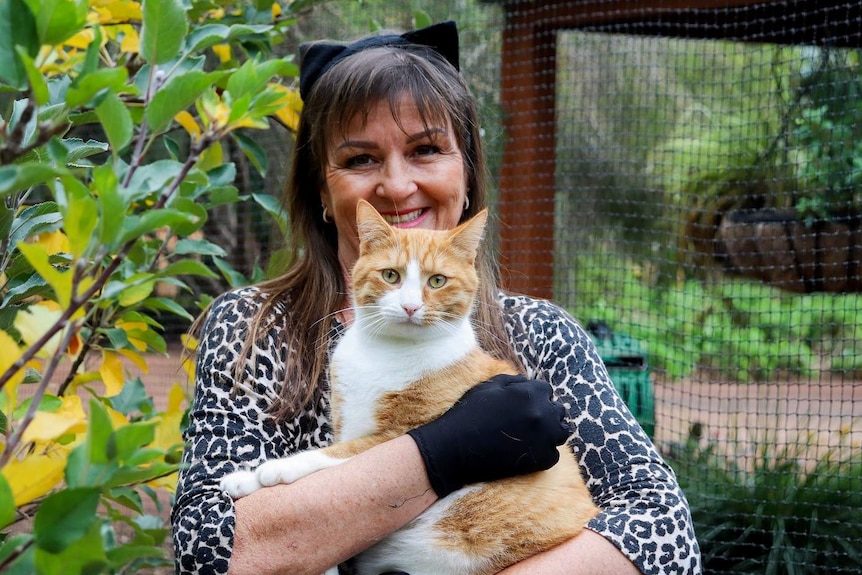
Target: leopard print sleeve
point(230, 428)
point(644, 512)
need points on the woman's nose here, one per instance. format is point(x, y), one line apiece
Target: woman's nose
point(397, 180)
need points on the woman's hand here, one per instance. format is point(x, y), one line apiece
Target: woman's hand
point(507, 426)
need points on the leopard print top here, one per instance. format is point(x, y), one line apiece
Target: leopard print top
point(644, 513)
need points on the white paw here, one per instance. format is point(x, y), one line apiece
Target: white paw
point(293, 468)
point(240, 483)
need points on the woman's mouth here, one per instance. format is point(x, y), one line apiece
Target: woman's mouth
point(406, 219)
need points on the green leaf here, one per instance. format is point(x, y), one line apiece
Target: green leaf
point(36, 219)
point(64, 517)
point(163, 29)
point(136, 292)
point(188, 267)
point(84, 556)
point(116, 121)
point(80, 216)
point(111, 205)
point(133, 397)
point(273, 208)
point(78, 150)
point(58, 20)
point(149, 178)
point(177, 94)
point(23, 563)
point(136, 226)
point(198, 247)
point(18, 178)
point(7, 501)
point(253, 151)
point(17, 28)
point(7, 216)
point(99, 434)
point(212, 34)
point(169, 305)
point(128, 438)
point(86, 88)
point(233, 277)
point(253, 76)
point(38, 86)
point(197, 216)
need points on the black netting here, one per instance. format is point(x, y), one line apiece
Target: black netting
point(687, 182)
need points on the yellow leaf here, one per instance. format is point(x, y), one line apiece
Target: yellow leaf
point(291, 105)
point(136, 358)
point(118, 419)
point(188, 122)
point(212, 157)
point(111, 371)
point(132, 328)
point(35, 475)
point(60, 281)
point(167, 429)
point(82, 39)
point(117, 12)
point(49, 425)
point(168, 482)
point(223, 52)
point(34, 321)
point(55, 242)
point(11, 354)
point(130, 42)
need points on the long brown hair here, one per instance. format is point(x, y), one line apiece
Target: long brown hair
point(313, 287)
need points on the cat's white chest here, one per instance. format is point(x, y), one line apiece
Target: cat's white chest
point(365, 368)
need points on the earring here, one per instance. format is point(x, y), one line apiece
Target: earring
point(325, 217)
point(466, 202)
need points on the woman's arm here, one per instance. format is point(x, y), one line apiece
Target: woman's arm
point(329, 516)
point(587, 554)
point(644, 514)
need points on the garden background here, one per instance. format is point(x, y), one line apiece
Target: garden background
point(685, 179)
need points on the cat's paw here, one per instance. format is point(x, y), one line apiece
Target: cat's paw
point(293, 468)
point(240, 483)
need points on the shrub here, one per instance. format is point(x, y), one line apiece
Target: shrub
point(777, 515)
point(112, 116)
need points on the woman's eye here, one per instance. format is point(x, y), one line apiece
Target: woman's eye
point(390, 276)
point(437, 281)
point(427, 150)
point(359, 161)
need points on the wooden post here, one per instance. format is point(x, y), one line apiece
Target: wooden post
point(527, 174)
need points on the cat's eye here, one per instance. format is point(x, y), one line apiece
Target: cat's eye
point(390, 276)
point(437, 281)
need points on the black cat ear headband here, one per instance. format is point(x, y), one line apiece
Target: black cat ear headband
point(318, 57)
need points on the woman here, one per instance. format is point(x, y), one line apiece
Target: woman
point(389, 119)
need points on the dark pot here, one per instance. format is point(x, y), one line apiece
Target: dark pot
point(776, 247)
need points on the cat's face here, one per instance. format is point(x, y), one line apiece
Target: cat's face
point(414, 283)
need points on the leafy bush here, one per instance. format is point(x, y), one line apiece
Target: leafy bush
point(742, 329)
point(776, 516)
point(112, 116)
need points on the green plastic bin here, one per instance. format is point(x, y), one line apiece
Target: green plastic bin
point(629, 370)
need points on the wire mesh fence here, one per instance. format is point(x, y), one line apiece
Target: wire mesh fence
point(686, 178)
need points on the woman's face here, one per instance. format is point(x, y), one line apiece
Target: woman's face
point(413, 174)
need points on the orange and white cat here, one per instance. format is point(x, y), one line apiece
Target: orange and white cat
point(410, 354)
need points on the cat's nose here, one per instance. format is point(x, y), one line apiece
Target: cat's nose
point(411, 309)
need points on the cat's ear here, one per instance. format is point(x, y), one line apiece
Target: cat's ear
point(372, 228)
point(467, 237)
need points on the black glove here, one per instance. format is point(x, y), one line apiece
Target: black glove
point(503, 427)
